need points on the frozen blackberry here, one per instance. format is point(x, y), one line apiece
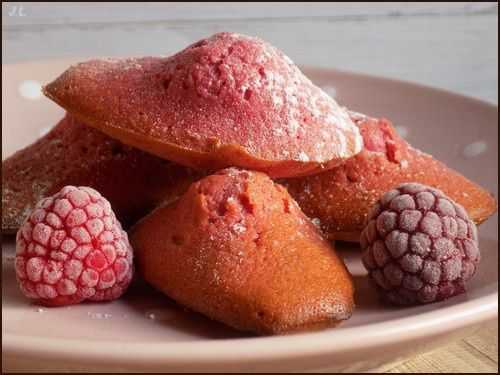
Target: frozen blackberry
point(419, 246)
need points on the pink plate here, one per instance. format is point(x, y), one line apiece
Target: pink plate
point(145, 331)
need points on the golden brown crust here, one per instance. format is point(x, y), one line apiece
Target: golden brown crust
point(342, 197)
point(237, 248)
point(229, 100)
point(74, 154)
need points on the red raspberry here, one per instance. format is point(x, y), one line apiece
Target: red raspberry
point(72, 248)
point(419, 245)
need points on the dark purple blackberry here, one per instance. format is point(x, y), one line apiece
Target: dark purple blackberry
point(419, 246)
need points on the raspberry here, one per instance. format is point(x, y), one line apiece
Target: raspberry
point(419, 245)
point(72, 248)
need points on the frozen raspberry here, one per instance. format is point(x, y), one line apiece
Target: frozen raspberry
point(72, 248)
point(419, 245)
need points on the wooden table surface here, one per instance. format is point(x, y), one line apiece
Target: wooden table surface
point(451, 46)
point(476, 353)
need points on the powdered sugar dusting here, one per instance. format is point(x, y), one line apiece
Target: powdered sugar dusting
point(239, 228)
point(99, 315)
point(253, 94)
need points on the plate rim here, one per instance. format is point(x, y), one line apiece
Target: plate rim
point(401, 330)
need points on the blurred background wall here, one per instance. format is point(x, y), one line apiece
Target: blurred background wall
point(448, 45)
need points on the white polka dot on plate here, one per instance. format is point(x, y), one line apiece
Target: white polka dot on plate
point(30, 89)
point(44, 130)
point(330, 90)
point(402, 131)
point(474, 149)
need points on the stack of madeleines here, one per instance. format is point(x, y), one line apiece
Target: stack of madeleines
point(185, 149)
